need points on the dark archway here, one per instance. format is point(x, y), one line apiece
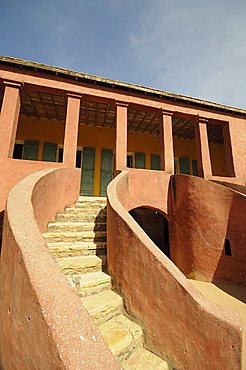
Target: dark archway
point(155, 225)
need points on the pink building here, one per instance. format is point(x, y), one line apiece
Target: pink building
point(173, 170)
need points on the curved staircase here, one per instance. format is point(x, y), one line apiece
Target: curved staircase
point(77, 239)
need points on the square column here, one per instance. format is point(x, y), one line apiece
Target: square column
point(9, 118)
point(121, 136)
point(166, 136)
point(202, 147)
point(71, 129)
point(228, 149)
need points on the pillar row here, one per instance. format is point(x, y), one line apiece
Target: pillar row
point(9, 118)
point(202, 147)
point(71, 129)
point(121, 136)
point(166, 137)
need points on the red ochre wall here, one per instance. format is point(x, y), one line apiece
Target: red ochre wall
point(43, 324)
point(172, 312)
point(202, 215)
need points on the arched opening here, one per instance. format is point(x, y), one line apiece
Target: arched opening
point(155, 225)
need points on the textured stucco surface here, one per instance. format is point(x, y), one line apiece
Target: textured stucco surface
point(179, 322)
point(203, 214)
point(43, 322)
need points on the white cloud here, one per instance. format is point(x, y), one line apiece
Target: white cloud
point(193, 47)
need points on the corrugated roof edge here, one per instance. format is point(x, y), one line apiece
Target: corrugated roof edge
point(118, 84)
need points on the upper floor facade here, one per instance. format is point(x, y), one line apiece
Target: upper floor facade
point(53, 117)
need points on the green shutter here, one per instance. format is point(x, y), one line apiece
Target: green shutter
point(30, 150)
point(155, 161)
point(49, 153)
point(184, 165)
point(139, 160)
point(194, 167)
point(87, 181)
point(106, 170)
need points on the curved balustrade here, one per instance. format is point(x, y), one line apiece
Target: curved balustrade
point(180, 324)
point(43, 323)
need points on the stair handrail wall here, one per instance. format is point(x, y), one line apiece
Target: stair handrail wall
point(43, 322)
point(172, 312)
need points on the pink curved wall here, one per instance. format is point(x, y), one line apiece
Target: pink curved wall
point(202, 215)
point(43, 323)
point(172, 312)
point(14, 170)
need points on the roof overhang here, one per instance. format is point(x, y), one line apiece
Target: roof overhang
point(86, 78)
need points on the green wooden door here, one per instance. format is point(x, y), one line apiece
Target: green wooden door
point(194, 167)
point(139, 160)
point(87, 173)
point(106, 170)
point(30, 150)
point(155, 161)
point(49, 153)
point(184, 165)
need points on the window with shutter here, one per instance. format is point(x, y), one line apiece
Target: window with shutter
point(49, 153)
point(155, 161)
point(139, 160)
point(30, 150)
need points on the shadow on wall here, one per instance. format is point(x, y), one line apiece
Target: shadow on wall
point(1, 229)
point(207, 230)
point(155, 224)
point(232, 262)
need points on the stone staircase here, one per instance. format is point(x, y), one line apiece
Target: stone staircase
point(77, 239)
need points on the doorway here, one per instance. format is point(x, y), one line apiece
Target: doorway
point(106, 170)
point(155, 225)
point(87, 173)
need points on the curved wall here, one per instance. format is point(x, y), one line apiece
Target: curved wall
point(172, 312)
point(203, 214)
point(43, 322)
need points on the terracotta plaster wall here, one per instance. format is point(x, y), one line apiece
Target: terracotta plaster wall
point(179, 323)
point(109, 94)
point(14, 170)
point(202, 215)
point(43, 323)
point(238, 142)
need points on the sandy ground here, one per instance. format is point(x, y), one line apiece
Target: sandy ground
point(229, 295)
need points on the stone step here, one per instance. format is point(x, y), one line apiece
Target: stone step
point(90, 206)
point(74, 236)
point(84, 199)
point(144, 359)
point(62, 249)
point(81, 264)
point(90, 283)
point(82, 217)
point(103, 306)
point(76, 226)
point(123, 336)
point(89, 211)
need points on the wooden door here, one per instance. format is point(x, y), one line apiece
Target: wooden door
point(106, 170)
point(87, 173)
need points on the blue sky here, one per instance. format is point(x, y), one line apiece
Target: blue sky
point(190, 47)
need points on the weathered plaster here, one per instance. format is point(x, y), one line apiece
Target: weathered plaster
point(43, 322)
point(179, 322)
